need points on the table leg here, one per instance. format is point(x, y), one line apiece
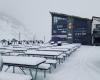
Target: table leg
point(36, 74)
point(7, 68)
point(22, 70)
point(30, 70)
point(1, 67)
point(13, 69)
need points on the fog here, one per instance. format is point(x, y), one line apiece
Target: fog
point(35, 14)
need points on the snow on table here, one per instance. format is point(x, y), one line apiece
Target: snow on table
point(17, 49)
point(32, 47)
point(5, 51)
point(44, 53)
point(46, 45)
point(69, 46)
point(53, 49)
point(31, 61)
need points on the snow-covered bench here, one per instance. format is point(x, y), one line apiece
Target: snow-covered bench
point(61, 57)
point(13, 76)
point(44, 67)
point(51, 62)
point(68, 53)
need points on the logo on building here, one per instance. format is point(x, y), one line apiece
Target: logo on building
point(70, 26)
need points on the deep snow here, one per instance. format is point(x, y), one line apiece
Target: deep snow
point(84, 64)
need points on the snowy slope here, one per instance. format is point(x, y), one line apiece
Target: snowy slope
point(10, 28)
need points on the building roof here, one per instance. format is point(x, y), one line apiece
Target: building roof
point(64, 15)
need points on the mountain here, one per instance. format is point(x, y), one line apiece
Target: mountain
point(10, 28)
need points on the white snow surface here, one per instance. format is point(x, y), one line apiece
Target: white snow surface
point(12, 76)
point(48, 53)
point(10, 28)
point(53, 49)
point(23, 60)
point(83, 64)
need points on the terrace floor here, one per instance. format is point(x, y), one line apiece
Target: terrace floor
point(83, 64)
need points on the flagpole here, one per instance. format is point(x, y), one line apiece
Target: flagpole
point(44, 38)
point(19, 36)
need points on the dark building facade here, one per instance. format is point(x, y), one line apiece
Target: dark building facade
point(96, 35)
point(71, 29)
point(96, 30)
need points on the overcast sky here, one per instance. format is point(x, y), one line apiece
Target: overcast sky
point(34, 14)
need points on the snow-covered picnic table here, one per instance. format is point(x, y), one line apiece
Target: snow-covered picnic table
point(70, 47)
point(5, 51)
point(53, 49)
point(20, 61)
point(46, 45)
point(17, 49)
point(32, 47)
point(43, 53)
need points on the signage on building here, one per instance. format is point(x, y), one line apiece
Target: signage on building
point(70, 26)
point(95, 22)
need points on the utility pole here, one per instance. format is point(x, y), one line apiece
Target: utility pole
point(19, 36)
point(44, 38)
point(34, 37)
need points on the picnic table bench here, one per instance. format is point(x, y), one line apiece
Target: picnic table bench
point(25, 62)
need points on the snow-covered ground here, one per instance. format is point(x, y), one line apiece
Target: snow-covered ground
point(84, 64)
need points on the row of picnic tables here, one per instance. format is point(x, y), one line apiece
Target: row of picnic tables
point(33, 62)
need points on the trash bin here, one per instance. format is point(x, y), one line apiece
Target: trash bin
point(59, 43)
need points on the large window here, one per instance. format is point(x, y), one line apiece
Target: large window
point(59, 25)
